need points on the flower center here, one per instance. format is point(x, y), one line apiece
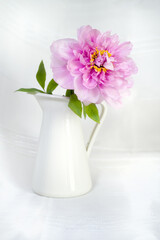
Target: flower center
point(98, 60)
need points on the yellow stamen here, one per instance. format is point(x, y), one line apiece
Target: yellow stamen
point(98, 69)
point(94, 56)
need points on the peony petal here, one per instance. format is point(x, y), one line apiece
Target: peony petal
point(84, 60)
point(63, 48)
point(57, 61)
point(110, 92)
point(123, 49)
point(127, 67)
point(101, 39)
point(87, 35)
point(81, 33)
point(108, 65)
point(62, 51)
point(89, 82)
point(92, 38)
point(63, 77)
point(74, 66)
point(86, 95)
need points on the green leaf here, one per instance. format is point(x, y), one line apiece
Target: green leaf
point(92, 112)
point(41, 75)
point(51, 86)
point(75, 105)
point(84, 111)
point(29, 90)
point(69, 92)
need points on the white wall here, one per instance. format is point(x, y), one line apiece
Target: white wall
point(27, 29)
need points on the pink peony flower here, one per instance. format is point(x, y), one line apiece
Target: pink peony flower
point(96, 66)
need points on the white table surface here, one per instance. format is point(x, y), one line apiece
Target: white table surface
point(124, 203)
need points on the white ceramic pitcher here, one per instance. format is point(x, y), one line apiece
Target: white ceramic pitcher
point(62, 168)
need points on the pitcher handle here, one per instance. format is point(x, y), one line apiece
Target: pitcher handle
point(96, 128)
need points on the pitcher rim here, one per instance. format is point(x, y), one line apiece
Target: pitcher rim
point(52, 96)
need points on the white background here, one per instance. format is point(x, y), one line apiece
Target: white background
point(124, 202)
point(27, 29)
